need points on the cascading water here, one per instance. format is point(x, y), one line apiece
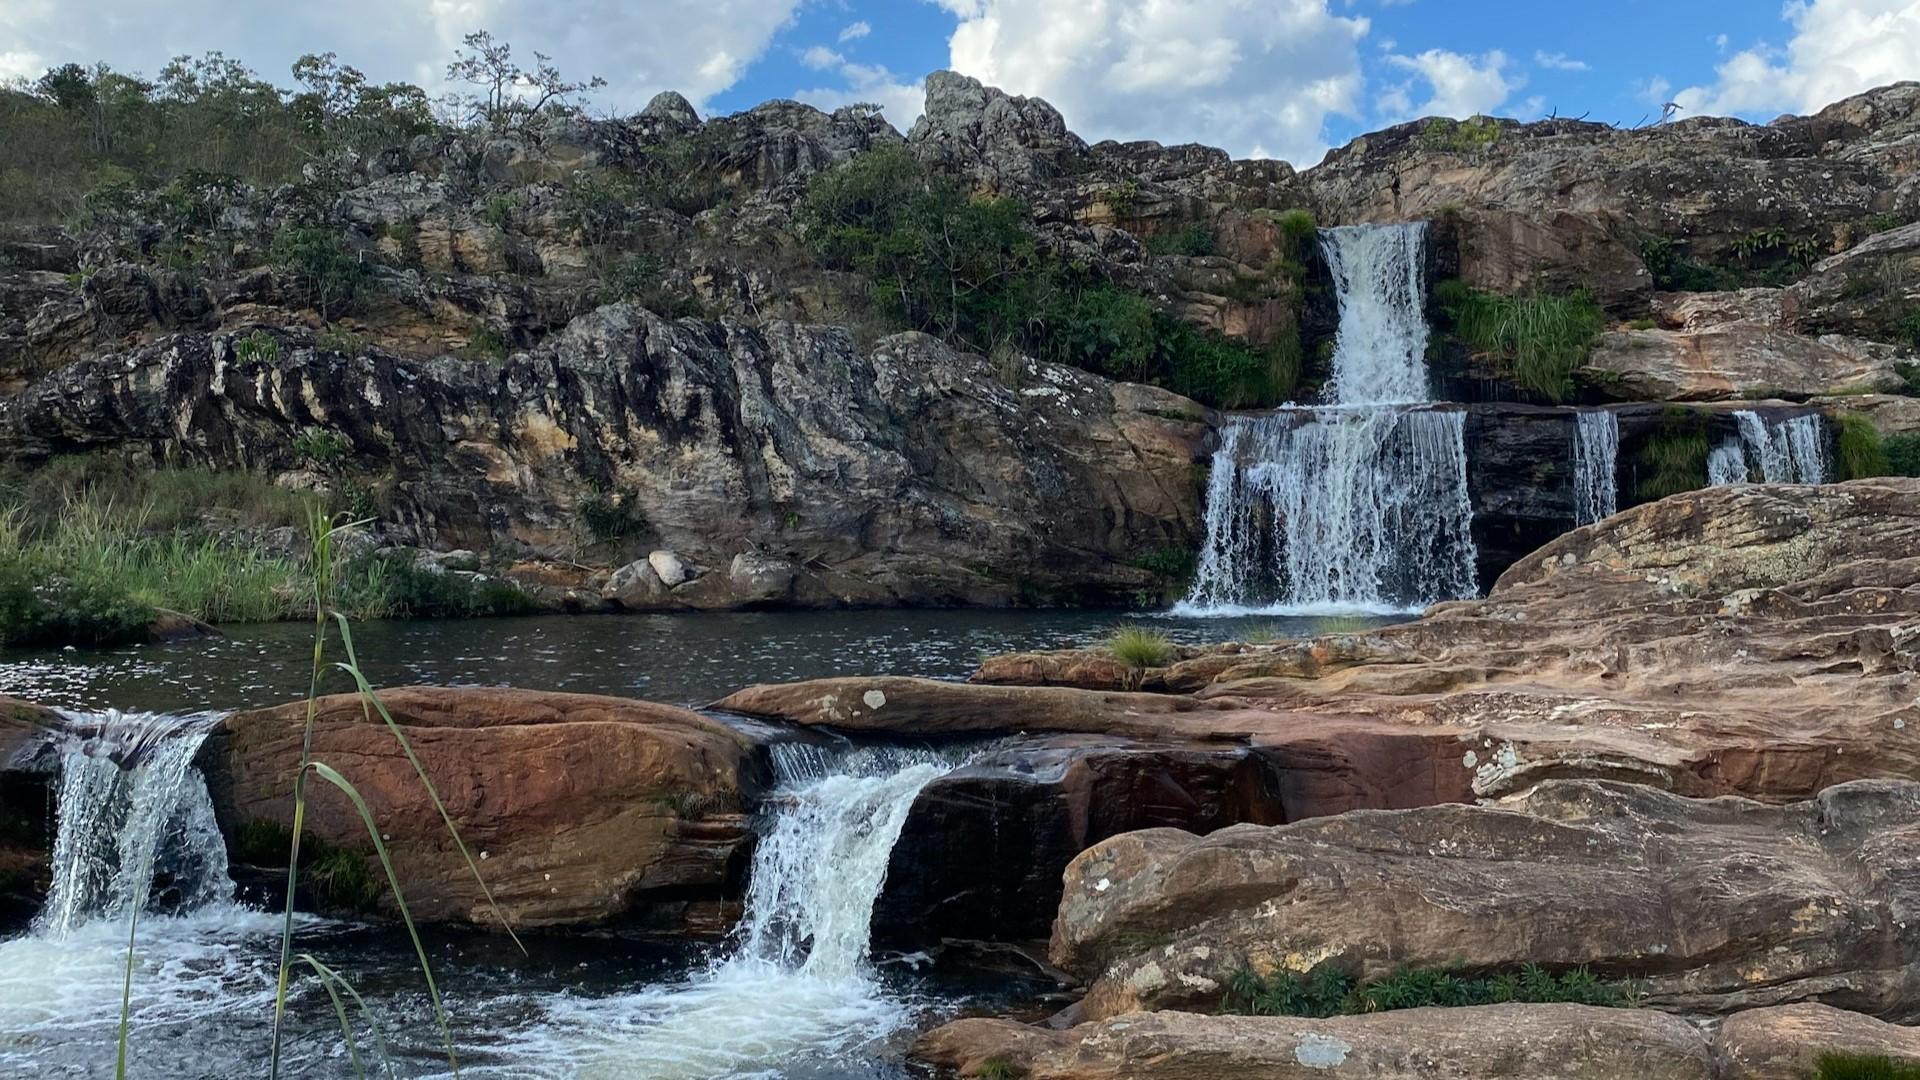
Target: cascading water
point(1727, 464)
point(1790, 451)
point(797, 992)
point(1360, 505)
point(1596, 454)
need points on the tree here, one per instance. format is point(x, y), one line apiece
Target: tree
point(510, 95)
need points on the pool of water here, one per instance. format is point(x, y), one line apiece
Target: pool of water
point(680, 659)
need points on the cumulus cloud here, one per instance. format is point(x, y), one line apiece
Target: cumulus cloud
point(901, 101)
point(1459, 85)
point(1838, 48)
point(1559, 61)
point(1258, 77)
point(639, 47)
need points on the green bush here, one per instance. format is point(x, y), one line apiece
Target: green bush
point(1193, 240)
point(1859, 450)
point(1865, 1067)
point(1674, 458)
point(407, 590)
point(41, 604)
point(607, 517)
point(257, 347)
point(1539, 339)
point(324, 274)
point(1903, 454)
point(488, 343)
point(1460, 136)
point(1328, 992)
point(1214, 370)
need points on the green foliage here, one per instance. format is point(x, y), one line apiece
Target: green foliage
point(323, 273)
point(1903, 454)
point(408, 590)
point(1329, 992)
point(1460, 136)
point(1775, 247)
point(1859, 450)
point(338, 877)
point(257, 347)
point(1865, 1067)
point(488, 343)
point(39, 605)
point(339, 342)
point(608, 517)
point(1674, 458)
point(1539, 339)
point(322, 447)
point(1139, 647)
point(1214, 370)
point(1174, 564)
point(1907, 328)
point(498, 211)
point(1673, 270)
point(1193, 240)
point(998, 1068)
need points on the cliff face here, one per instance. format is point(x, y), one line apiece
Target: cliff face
point(519, 331)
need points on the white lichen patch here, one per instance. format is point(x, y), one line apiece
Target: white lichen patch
point(874, 699)
point(1148, 978)
point(1317, 1051)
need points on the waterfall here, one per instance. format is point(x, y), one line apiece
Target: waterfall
point(130, 802)
point(1596, 454)
point(798, 986)
point(1790, 451)
point(1380, 352)
point(1361, 504)
point(1727, 465)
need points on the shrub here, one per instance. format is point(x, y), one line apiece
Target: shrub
point(340, 342)
point(1460, 136)
point(1865, 1067)
point(322, 447)
point(1329, 992)
point(1140, 647)
point(1859, 450)
point(1216, 371)
point(498, 211)
point(325, 275)
point(1174, 564)
point(488, 343)
point(998, 1068)
point(1903, 454)
point(1193, 240)
point(1673, 270)
point(607, 517)
point(1539, 339)
point(400, 587)
point(43, 604)
point(257, 347)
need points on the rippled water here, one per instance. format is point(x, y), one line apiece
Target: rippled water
point(681, 659)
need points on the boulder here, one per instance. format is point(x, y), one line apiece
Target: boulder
point(759, 579)
point(1788, 1041)
point(671, 569)
point(580, 809)
point(1866, 290)
point(1002, 141)
point(636, 587)
point(1714, 905)
point(1491, 1042)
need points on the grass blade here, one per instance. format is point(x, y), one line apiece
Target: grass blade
point(370, 701)
point(327, 773)
point(373, 1024)
point(126, 998)
point(339, 1010)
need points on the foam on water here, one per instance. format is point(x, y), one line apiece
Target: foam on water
point(1727, 464)
point(1789, 451)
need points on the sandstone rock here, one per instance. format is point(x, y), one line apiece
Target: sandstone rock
point(1787, 1042)
point(1492, 1042)
point(580, 808)
point(1718, 905)
point(1736, 345)
point(758, 579)
point(1865, 290)
point(1509, 252)
point(1890, 414)
point(671, 569)
point(931, 707)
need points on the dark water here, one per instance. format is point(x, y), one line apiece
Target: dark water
point(680, 659)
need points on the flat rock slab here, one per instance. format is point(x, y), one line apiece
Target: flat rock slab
point(1787, 1043)
point(1493, 1042)
point(576, 805)
point(1717, 905)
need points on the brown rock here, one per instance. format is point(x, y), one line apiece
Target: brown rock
point(1555, 251)
point(1787, 1043)
point(1492, 1042)
point(1718, 905)
point(934, 707)
point(577, 806)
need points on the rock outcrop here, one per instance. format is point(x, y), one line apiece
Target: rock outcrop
point(579, 809)
point(804, 469)
point(1787, 1042)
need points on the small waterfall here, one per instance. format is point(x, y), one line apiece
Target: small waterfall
point(1359, 505)
point(1727, 464)
point(1596, 454)
point(1380, 353)
point(130, 804)
point(798, 989)
point(1337, 509)
point(1790, 451)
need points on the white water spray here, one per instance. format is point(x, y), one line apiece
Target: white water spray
point(1596, 455)
point(1789, 451)
point(798, 991)
point(1357, 506)
point(1727, 464)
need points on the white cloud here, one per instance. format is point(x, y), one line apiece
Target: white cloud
point(1838, 48)
point(900, 102)
point(1247, 75)
point(640, 46)
point(1461, 85)
point(856, 31)
point(820, 58)
point(20, 64)
point(1559, 62)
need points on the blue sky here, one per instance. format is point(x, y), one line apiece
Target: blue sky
point(1284, 78)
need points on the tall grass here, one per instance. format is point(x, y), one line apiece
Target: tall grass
point(1859, 450)
point(1539, 339)
point(1139, 647)
point(1865, 1067)
point(1330, 992)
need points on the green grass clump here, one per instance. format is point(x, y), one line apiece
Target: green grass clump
point(1194, 240)
point(1328, 992)
point(1903, 454)
point(1539, 339)
point(999, 1068)
point(1139, 647)
point(1172, 564)
point(1860, 452)
point(396, 585)
point(1865, 1067)
point(1460, 136)
point(608, 516)
point(1674, 457)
